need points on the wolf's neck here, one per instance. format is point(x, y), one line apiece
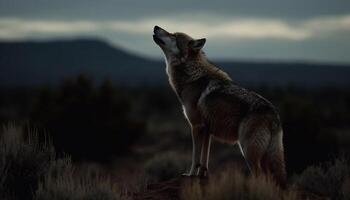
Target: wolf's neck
point(184, 73)
point(187, 71)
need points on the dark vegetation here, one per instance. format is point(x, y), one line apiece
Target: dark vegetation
point(87, 122)
point(98, 122)
point(138, 135)
point(30, 169)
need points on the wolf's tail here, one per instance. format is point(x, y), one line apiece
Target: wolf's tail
point(273, 161)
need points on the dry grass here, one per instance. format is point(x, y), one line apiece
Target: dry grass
point(64, 181)
point(232, 184)
point(23, 162)
point(329, 180)
point(29, 169)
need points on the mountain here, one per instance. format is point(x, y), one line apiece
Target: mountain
point(29, 63)
point(32, 63)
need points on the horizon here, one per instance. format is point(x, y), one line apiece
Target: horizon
point(161, 57)
point(313, 31)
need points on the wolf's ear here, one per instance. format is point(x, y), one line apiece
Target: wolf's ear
point(197, 44)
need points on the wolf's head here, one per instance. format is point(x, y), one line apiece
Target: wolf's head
point(177, 47)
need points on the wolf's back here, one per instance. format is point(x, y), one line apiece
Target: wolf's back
point(252, 104)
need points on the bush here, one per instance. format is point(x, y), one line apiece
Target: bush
point(29, 169)
point(346, 188)
point(327, 180)
point(165, 166)
point(23, 162)
point(88, 122)
point(64, 182)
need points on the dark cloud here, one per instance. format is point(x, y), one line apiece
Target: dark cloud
point(286, 9)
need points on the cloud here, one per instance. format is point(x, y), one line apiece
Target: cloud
point(328, 24)
point(238, 29)
point(219, 27)
point(17, 28)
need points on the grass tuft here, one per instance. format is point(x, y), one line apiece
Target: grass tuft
point(330, 180)
point(232, 184)
point(23, 162)
point(64, 181)
point(29, 169)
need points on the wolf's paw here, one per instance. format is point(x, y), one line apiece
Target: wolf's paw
point(192, 172)
point(187, 175)
point(202, 172)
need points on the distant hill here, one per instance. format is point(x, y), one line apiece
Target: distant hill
point(30, 63)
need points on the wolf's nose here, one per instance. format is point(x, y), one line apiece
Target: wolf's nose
point(156, 28)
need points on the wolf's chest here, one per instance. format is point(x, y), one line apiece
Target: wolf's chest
point(189, 97)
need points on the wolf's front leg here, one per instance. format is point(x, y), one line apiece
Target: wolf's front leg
point(204, 160)
point(197, 140)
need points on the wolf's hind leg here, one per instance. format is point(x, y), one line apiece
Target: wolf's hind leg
point(254, 144)
point(273, 162)
point(197, 140)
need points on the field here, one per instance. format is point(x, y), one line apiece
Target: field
point(87, 140)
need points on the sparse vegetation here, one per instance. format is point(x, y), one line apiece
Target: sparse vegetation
point(143, 134)
point(232, 184)
point(329, 180)
point(23, 162)
point(29, 169)
point(63, 181)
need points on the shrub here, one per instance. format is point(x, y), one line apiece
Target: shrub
point(99, 119)
point(165, 166)
point(326, 180)
point(64, 182)
point(23, 161)
point(29, 169)
point(346, 188)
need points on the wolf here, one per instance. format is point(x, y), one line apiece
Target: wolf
point(217, 107)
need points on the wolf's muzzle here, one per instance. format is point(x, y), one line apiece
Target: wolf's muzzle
point(158, 31)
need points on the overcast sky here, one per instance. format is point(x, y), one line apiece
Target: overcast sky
point(297, 30)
